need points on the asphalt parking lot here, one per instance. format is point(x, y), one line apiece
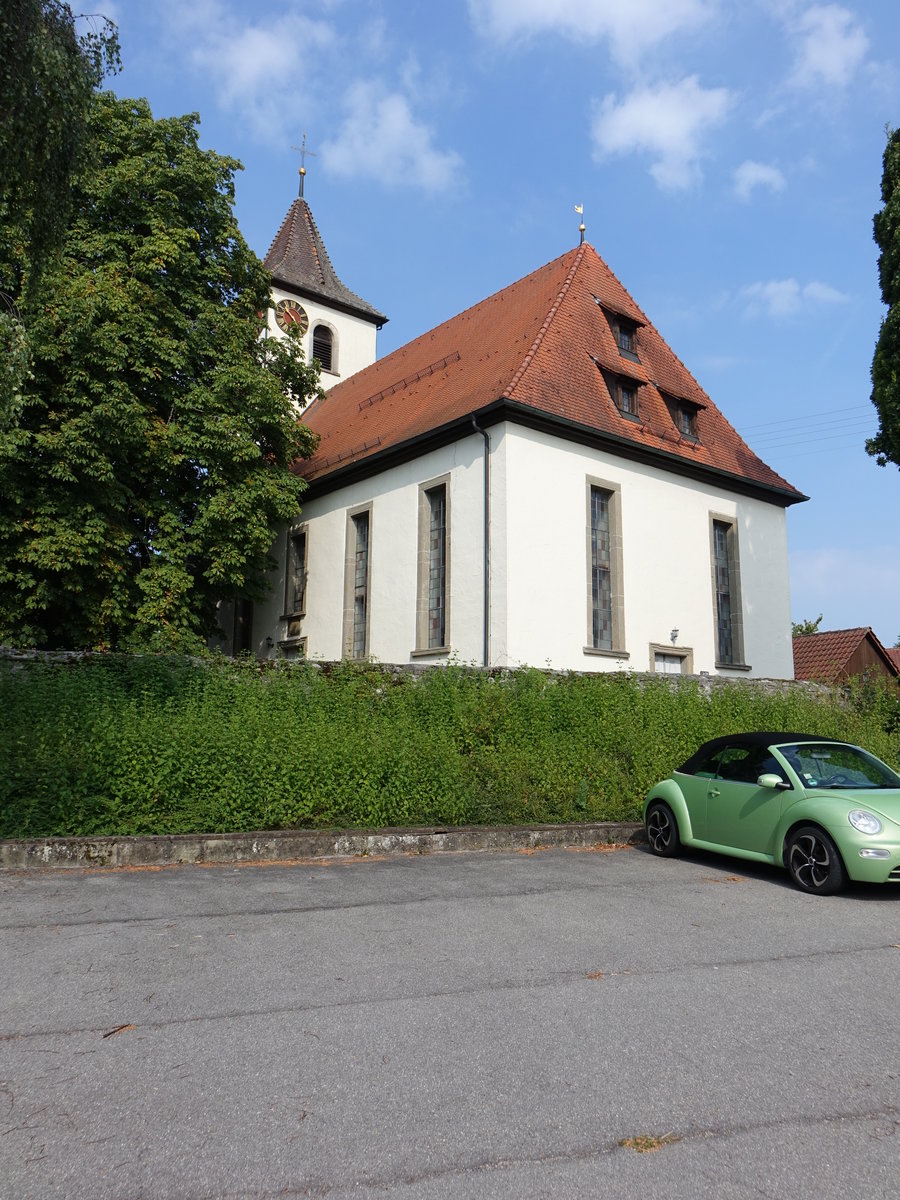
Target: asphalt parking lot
point(547, 1024)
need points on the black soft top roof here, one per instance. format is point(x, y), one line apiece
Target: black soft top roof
point(750, 739)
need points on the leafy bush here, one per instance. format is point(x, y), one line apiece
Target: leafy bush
point(114, 744)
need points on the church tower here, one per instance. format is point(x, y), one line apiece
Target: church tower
point(338, 327)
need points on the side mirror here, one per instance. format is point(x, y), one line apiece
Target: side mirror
point(772, 781)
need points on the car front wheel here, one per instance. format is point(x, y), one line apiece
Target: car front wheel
point(813, 861)
point(662, 830)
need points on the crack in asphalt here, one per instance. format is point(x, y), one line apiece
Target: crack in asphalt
point(548, 981)
point(317, 1189)
point(306, 909)
point(594, 1152)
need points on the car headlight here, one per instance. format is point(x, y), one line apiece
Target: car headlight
point(865, 822)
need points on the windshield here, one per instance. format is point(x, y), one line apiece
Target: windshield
point(827, 765)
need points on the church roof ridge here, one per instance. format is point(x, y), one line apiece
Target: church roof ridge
point(298, 260)
point(554, 309)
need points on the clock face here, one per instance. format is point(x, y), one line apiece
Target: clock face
point(290, 315)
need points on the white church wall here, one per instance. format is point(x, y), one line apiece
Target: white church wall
point(539, 595)
point(766, 590)
point(666, 580)
point(393, 503)
point(354, 337)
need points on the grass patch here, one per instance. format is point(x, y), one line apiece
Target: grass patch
point(646, 1143)
point(134, 745)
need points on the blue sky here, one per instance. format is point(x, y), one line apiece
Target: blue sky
point(727, 154)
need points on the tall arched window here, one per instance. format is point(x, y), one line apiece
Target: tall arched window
point(323, 346)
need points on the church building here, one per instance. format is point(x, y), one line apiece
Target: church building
point(539, 480)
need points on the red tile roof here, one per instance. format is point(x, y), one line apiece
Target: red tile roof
point(893, 654)
point(540, 349)
point(826, 656)
point(298, 259)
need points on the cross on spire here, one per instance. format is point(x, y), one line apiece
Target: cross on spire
point(302, 150)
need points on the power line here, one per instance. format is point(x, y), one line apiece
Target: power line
point(844, 435)
point(856, 451)
point(815, 435)
point(845, 411)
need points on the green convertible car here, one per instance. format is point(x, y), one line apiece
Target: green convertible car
point(825, 810)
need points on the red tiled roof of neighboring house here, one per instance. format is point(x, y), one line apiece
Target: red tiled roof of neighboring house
point(824, 656)
point(539, 351)
point(298, 259)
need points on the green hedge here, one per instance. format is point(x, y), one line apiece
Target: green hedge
point(133, 745)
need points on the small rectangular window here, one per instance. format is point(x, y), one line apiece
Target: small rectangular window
point(671, 659)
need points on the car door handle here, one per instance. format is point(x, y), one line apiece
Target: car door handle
point(714, 792)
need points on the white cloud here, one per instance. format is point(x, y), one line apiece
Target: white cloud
point(667, 122)
point(824, 293)
point(284, 72)
point(787, 297)
point(750, 175)
point(830, 47)
point(258, 69)
point(252, 63)
point(380, 137)
point(628, 27)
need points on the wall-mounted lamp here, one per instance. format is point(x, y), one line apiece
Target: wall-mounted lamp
point(674, 636)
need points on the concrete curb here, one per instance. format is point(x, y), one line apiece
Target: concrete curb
point(289, 845)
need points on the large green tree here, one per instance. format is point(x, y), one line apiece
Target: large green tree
point(48, 72)
point(885, 446)
point(146, 462)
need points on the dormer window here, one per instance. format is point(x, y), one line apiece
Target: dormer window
point(627, 398)
point(687, 422)
point(622, 390)
point(625, 333)
point(684, 414)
